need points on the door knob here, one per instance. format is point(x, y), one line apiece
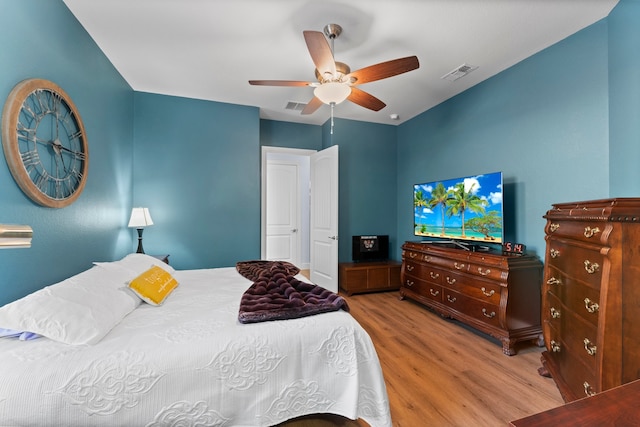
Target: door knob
point(294, 230)
point(333, 237)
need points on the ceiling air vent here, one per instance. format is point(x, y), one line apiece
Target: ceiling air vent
point(459, 72)
point(296, 106)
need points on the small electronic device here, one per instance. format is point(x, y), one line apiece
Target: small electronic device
point(370, 248)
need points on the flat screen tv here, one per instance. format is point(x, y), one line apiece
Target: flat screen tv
point(467, 209)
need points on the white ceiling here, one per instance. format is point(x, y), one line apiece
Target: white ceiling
point(209, 49)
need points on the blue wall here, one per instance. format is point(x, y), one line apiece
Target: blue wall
point(290, 135)
point(367, 182)
point(42, 39)
point(624, 99)
point(197, 169)
point(543, 122)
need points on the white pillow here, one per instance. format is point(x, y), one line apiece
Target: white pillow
point(79, 310)
point(137, 264)
point(131, 266)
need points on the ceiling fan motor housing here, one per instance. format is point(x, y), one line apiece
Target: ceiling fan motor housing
point(332, 30)
point(342, 70)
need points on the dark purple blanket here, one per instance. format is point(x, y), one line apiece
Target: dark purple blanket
point(277, 295)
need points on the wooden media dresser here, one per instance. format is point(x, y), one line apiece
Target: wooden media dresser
point(494, 293)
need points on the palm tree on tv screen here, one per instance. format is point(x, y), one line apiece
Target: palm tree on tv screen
point(440, 196)
point(418, 202)
point(462, 201)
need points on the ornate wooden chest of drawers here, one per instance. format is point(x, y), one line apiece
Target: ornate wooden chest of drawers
point(591, 295)
point(496, 294)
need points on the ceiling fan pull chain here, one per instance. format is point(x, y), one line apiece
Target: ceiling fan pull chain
point(332, 105)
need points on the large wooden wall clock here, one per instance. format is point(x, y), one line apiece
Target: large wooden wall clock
point(44, 142)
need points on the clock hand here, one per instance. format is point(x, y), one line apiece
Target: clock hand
point(75, 153)
point(57, 147)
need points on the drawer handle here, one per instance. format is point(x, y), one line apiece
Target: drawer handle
point(484, 272)
point(553, 227)
point(409, 267)
point(591, 267)
point(590, 232)
point(450, 280)
point(589, 347)
point(451, 299)
point(458, 266)
point(410, 283)
point(434, 293)
point(553, 281)
point(490, 315)
point(434, 275)
point(592, 307)
point(588, 390)
point(412, 254)
point(554, 253)
point(555, 347)
point(555, 314)
point(427, 258)
point(489, 294)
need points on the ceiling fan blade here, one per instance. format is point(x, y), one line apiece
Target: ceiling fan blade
point(278, 83)
point(362, 98)
point(385, 69)
point(320, 52)
point(312, 106)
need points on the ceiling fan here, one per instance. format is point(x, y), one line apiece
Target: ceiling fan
point(336, 82)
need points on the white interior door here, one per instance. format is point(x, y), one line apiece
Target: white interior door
point(324, 219)
point(273, 210)
point(282, 222)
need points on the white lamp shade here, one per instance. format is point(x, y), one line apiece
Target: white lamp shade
point(332, 92)
point(140, 218)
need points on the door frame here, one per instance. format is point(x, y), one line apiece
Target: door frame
point(263, 187)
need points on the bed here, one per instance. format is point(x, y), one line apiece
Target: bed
point(110, 359)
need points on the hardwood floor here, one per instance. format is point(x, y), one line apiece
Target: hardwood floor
point(440, 373)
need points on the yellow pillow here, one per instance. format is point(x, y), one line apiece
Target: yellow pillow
point(154, 285)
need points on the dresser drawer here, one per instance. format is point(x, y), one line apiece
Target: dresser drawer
point(579, 378)
point(447, 263)
point(483, 290)
point(584, 262)
point(577, 297)
point(487, 313)
point(423, 271)
point(423, 288)
point(576, 336)
point(487, 271)
point(409, 255)
point(596, 232)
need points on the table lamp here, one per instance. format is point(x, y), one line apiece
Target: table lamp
point(140, 218)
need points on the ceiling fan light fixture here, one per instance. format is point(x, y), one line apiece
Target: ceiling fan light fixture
point(332, 92)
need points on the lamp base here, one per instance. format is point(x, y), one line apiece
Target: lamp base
point(140, 250)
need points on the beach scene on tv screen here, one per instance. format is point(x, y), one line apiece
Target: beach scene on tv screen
point(467, 208)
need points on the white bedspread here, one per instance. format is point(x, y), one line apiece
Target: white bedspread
point(190, 362)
